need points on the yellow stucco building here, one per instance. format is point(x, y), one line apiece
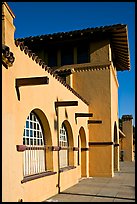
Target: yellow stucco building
point(59, 108)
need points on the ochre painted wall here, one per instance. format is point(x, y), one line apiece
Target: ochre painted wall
point(97, 87)
point(127, 128)
point(99, 52)
point(14, 116)
point(114, 118)
point(40, 98)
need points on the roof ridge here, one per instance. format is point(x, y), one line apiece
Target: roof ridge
point(48, 69)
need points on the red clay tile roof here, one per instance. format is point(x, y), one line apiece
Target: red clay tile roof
point(118, 35)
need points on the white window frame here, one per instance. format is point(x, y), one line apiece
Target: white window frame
point(63, 143)
point(34, 157)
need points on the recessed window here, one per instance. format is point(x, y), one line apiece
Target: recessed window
point(63, 143)
point(83, 54)
point(52, 58)
point(67, 56)
point(34, 156)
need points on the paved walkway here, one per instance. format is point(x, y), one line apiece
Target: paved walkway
point(120, 188)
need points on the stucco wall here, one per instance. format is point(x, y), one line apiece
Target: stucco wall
point(14, 116)
point(96, 86)
point(41, 99)
point(100, 88)
point(114, 101)
point(99, 52)
point(114, 118)
point(8, 28)
point(127, 128)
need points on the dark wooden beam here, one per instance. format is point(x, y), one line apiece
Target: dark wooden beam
point(75, 148)
point(21, 148)
point(84, 148)
point(116, 145)
point(83, 115)
point(94, 121)
point(66, 103)
point(101, 143)
point(29, 82)
point(32, 81)
point(55, 148)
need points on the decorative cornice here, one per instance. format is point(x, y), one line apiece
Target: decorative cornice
point(82, 67)
point(93, 68)
point(7, 56)
point(127, 117)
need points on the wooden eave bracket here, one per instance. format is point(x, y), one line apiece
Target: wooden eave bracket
point(65, 103)
point(101, 143)
point(94, 121)
point(32, 81)
point(83, 115)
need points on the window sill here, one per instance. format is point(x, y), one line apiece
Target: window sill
point(66, 168)
point(36, 176)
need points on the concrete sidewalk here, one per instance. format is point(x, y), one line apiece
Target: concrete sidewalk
point(120, 188)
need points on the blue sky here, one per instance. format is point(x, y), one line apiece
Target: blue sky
point(39, 18)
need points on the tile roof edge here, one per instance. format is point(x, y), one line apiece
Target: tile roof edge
point(83, 68)
point(73, 31)
point(48, 69)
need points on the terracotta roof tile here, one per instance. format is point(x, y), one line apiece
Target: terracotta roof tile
point(116, 33)
point(86, 30)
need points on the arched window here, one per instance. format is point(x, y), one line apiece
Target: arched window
point(34, 156)
point(63, 143)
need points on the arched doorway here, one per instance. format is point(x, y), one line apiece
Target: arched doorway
point(82, 157)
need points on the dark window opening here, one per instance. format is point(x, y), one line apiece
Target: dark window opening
point(83, 54)
point(52, 59)
point(67, 56)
